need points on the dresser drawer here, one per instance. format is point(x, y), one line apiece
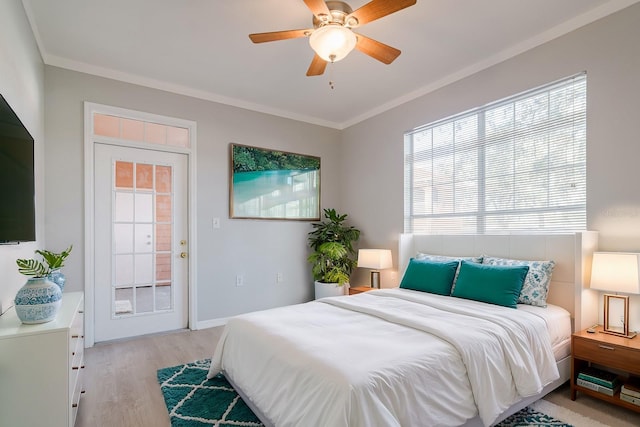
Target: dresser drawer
point(608, 354)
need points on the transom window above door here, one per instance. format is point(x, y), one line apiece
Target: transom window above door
point(140, 131)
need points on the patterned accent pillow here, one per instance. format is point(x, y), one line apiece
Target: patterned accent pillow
point(444, 258)
point(536, 285)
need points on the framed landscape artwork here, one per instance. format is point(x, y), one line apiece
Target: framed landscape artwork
point(270, 184)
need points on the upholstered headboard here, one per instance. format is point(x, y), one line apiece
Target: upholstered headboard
point(572, 253)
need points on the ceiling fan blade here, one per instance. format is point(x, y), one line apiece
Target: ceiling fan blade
point(377, 9)
point(376, 50)
point(317, 66)
point(318, 7)
point(278, 35)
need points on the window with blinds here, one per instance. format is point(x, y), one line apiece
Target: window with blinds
point(518, 164)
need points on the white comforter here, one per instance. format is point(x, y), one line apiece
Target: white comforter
point(386, 358)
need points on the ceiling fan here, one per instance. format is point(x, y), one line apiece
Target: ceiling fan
point(332, 37)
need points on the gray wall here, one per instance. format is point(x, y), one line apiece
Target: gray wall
point(22, 85)
point(256, 249)
point(607, 49)
point(362, 165)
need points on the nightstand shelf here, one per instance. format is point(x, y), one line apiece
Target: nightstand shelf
point(607, 351)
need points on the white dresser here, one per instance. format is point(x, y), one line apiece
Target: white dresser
point(41, 367)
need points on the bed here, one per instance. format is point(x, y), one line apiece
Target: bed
point(405, 357)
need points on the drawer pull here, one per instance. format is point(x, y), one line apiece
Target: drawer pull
point(606, 347)
point(75, 368)
point(74, 405)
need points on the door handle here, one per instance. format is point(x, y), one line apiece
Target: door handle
point(183, 254)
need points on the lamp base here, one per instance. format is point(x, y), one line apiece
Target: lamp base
point(375, 279)
point(619, 334)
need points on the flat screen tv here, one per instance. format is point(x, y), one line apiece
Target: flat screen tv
point(17, 191)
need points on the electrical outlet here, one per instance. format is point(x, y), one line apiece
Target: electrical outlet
point(279, 278)
point(239, 280)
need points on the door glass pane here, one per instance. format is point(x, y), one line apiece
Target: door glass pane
point(163, 296)
point(163, 208)
point(144, 177)
point(124, 207)
point(124, 175)
point(163, 179)
point(123, 301)
point(144, 238)
point(143, 269)
point(123, 238)
point(124, 269)
point(163, 237)
point(144, 207)
point(144, 299)
point(163, 267)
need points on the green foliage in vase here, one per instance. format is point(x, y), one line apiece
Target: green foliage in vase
point(55, 261)
point(332, 260)
point(36, 268)
point(32, 267)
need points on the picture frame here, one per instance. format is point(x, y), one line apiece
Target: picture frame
point(273, 184)
point(616, 315)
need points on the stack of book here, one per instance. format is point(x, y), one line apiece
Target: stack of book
point(598, 380)
point(630, 391)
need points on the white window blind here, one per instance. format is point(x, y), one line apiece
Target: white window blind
point(518, 164)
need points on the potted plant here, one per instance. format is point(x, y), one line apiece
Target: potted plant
point(55, 262)
point(39, 300)
point(332, 259)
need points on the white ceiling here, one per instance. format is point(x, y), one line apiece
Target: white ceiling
point(200, 48)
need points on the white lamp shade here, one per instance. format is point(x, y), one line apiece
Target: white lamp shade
point(616, 272)
point(377, 259)
point(332, 42)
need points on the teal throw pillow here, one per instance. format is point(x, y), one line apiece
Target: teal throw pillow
point(536, 285)
point(494, 284)
point(429, 276)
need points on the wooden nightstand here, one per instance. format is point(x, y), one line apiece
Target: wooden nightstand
point(359, 289)
point(609, 351)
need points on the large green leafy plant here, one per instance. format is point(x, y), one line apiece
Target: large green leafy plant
point(51, 261)
point(333, 254)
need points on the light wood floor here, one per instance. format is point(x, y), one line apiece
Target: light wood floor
point(122, 390)
point(120, 377)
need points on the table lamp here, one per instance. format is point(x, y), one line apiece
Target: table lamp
point(616, 272)
point(376, 259)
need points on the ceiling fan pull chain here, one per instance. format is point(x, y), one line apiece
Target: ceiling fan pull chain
point(331, 76)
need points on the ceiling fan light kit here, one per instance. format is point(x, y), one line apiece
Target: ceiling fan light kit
point(332, 42)
point(332, 38)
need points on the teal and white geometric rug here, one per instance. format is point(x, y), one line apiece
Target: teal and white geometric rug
point(194, 401)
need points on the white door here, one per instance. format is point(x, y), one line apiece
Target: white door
point(141, 229)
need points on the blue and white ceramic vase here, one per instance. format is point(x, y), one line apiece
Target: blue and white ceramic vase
point(58, 278)
point(38, 301)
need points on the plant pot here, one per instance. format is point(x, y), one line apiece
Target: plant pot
point(38, 301)
point(324, 290)
point(58, 278)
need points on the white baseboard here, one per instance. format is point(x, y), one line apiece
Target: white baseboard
point(205, 324)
